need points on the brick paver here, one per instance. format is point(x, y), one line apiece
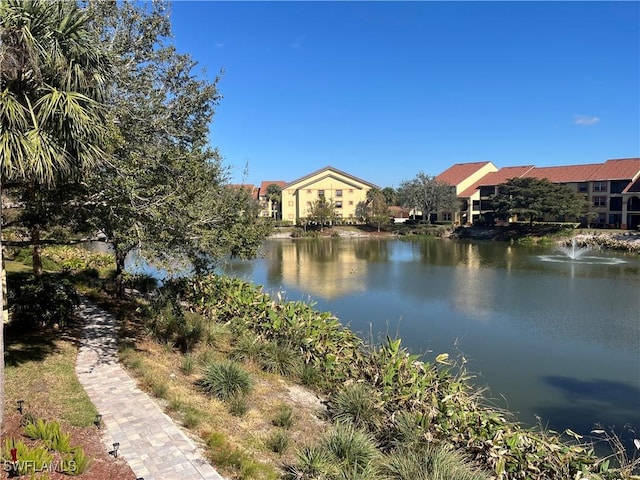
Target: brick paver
point(152, 444)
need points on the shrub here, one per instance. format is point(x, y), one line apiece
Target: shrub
point(431, 462)
point(140, 281)
point(42, 302)
point(226, 379)
point(237, 405)
point(351, 447)
point(188, 364)
point(312, 462)
point(356, 403)
point(278, 441)
point(248, 347)
point(280, 359)
point(30, 459)
point(284, 417)
point(77, 463)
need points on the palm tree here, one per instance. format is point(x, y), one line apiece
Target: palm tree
point(53, 78)
point(274, 193)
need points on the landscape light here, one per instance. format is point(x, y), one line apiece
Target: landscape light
point(98, 420)
point(20, 404)
point(116, 446)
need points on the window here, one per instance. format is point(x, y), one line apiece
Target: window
point(615, 219)
point(446, 217)
point(321, 193)
point(476, 205)
point(338, 204)
point(599, 186)
point(615, 204)
point(338, 193)
point(583, 187)
point(599, 201)
point(617, 186)
point(487, 191)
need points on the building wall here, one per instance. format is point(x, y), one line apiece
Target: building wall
point(345, 192)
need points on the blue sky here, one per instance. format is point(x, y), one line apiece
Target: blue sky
point(384, 90)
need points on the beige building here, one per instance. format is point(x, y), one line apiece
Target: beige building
point(612, 188)
point(343, 189)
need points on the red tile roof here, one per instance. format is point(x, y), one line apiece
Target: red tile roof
point(618, 169)
point(564, 174)
point(252, 189)
point(496, 178)
point(265, 185)
point(504, 174)
point(459, 172)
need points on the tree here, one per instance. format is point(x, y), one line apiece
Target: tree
point(53, 76)
point(534, 198)
point(390, 196)
point(428, 195)
point(377, 211)
point(166, 192)
point(274, 194)
point(322, 211)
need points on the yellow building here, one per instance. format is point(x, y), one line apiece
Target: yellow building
point(343, 189)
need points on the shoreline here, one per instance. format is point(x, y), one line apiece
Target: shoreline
point(626, 241)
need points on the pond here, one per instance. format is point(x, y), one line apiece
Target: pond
point(555, 340)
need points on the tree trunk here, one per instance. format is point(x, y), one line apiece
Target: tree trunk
point(37, 251)
point(120, 258)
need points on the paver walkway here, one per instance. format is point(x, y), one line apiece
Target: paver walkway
point(152, 444)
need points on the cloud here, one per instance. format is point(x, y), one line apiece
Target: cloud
point(585, 120)
point(219, 44)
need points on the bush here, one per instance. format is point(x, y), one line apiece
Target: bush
point(140, 281)
point(356, 403)
point(284, 417)
point(237, 405)
point(431, 462)
point(42, 302)
point(226, 379)
point(278, 441)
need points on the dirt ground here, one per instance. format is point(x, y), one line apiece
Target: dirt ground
point(103, 467)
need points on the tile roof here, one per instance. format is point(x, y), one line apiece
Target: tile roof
point(252, 189)
point(504, 174)
point(460, 171)
point(496, 178)
point(564, 174)
point(618, 169)
point(265, 185)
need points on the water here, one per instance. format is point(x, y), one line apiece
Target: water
point(552, 337)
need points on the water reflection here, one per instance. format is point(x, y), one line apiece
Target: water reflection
point(324, 268)
point(538, 332)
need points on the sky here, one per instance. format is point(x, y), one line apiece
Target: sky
point(384, 90)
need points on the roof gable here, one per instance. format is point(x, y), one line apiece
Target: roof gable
point(504, 174)
point(329, 171)
point(618, 169)
point(460, 171)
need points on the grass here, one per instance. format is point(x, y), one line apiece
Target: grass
point(41, 370)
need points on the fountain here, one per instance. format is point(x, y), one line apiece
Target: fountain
point(575, 254)
point(574, 251)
